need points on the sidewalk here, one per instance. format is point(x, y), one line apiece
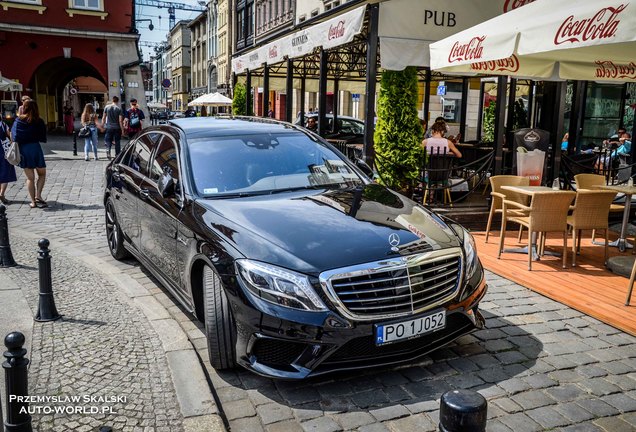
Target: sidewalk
point(116, 338)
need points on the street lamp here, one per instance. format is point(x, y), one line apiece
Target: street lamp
point(151, 27)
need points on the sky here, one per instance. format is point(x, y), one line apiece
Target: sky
point(160, 21)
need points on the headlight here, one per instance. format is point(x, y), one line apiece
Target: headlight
point(470, 250)
point(279, 286)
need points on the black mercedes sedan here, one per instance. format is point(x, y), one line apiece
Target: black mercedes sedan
point(297, 263)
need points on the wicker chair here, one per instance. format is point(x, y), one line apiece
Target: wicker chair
point(588, 181)
point(498, 195)
point(590, 211)
point(547, 212)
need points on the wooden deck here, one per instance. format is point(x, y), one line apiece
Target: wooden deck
point(588, 287)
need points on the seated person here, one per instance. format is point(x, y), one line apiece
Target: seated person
point(564, 142)
point(437, 143)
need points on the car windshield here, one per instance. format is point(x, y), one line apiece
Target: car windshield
point(265, 163)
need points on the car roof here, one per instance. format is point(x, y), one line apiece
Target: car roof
point(195, 127)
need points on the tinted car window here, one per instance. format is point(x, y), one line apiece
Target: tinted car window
point(166, 160)
point(265, 163)
point(140, 159)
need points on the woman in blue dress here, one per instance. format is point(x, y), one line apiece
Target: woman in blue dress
point(7, 171)
point(28, 131)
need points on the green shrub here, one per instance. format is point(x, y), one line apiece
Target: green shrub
point(238, 103)
point(488, 125)
point(398, 132)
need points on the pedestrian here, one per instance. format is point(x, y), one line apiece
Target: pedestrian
point(113, 121)
point(311, 124)
point(133, 119)
point(7, 171)
point(29, 131)
point(90, 119)
point(439, 145)
point(204, 111)
point(24, 99)
point(68, 118)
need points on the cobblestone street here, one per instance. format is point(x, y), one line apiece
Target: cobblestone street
point(541, 365)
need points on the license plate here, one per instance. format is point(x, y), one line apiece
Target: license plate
point(386, 333)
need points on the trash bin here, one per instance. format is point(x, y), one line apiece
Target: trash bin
point(530, 164)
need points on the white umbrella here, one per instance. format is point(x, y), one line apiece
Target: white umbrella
point(211, 99)
point(591, 40)
point(8, 85)
point(156, 105)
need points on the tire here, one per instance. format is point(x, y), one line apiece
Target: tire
point(220, 327)
point(114, 235)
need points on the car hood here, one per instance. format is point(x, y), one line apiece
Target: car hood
point(314, 231)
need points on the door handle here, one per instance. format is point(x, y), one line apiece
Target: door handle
point(144, 193)
point(116, 176)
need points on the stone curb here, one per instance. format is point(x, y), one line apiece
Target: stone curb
point(194, 397)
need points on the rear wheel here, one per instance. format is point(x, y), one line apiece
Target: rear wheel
point(113, 233)
point(220, 327)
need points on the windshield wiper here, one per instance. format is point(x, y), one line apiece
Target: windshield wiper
point(236, 195)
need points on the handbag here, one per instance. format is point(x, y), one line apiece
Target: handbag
point(12, 153)
point(84, 132)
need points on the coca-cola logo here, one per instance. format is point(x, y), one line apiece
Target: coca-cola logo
point(510, 64)
point(468, 51)
point(336, 31)
point(602, 25)
point(514, 4)
point(273, 52)
point(609, 69)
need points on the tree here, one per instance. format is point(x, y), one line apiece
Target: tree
point(240, 96)
point(398, 132)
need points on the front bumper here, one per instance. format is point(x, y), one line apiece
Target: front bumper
point(296, 345)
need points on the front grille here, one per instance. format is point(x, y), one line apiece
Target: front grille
point(276, 353)
point(398, 287)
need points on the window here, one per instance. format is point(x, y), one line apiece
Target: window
point(140, 160)
point(87, 4)
point(166, 160)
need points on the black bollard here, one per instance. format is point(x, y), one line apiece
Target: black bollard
point(6, 257)
point(74, 142)
point(46, 306)
point(462, 411)
point(17, 383)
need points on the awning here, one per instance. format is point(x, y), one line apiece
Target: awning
point(407, 27)
point(337, 31)
point(211, 99)
point(594, 40)
point(8, 85)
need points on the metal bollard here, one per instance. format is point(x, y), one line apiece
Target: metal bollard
point(6, 257)
point(74, 142)
point(17, 383)
point(462, 411)
point(46, 305)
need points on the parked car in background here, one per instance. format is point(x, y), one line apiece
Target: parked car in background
point(348, 129)
point(176, 114)
point(297, 264)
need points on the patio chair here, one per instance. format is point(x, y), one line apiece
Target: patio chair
point(631, 284)
point(590, 211)
point(588, 181)
point(439, 169)
point(498, 195)
point(547, 212)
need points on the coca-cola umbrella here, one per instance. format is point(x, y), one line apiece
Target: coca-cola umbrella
point(591, 40)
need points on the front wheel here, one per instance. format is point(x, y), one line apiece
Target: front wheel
point(220, 327)
point(113, 233)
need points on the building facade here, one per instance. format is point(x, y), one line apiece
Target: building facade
point(225, 46)
point(180, 41)
point(47, 44)
point(199, 47)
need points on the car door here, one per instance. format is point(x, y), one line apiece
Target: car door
point(159, 215)
point(126, 178)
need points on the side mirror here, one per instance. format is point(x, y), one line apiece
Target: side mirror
point(165, 185)
point(365, 168)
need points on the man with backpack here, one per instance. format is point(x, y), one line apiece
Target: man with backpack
point(113, 121)
point(133, 119)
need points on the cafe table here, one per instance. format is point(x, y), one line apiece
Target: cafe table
point(531, 191)
point(622, 243)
